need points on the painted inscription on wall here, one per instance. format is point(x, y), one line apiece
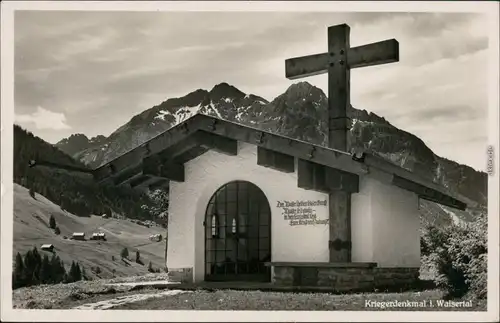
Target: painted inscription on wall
point(302, 212)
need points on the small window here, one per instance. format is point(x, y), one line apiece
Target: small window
point(214, 226)
point(234, 226)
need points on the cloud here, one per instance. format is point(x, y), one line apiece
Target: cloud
point(44, 119)
point(446, 113)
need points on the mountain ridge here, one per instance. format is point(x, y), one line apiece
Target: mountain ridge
point(300, 112)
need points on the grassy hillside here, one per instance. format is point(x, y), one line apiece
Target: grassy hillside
point(31, 228)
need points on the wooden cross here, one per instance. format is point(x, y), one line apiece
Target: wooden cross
point(339, 59)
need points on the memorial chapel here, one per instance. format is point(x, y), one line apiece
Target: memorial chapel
point(250, 205)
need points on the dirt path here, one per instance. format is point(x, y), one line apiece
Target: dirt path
point(107, 304)
point(146, 283)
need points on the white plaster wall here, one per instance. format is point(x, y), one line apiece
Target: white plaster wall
point(205, 174)
point(361, 224)
point(385, 227)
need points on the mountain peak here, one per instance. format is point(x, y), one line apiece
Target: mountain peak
point(304, 89)
point(75, 137)
point(224, 90)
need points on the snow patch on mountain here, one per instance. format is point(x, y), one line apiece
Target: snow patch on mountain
point(181, 114)
point(215, 110)
point(161, 115)
point(186, 113)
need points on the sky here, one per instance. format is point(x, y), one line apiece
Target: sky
point(91, 72)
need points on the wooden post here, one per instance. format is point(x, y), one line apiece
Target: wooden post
point(338, 87)
point(338, 127)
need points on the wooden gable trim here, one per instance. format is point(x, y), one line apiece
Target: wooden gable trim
point(172, 157)
point(409, 181)
point(158, 167)
point(140, 180)
point(132, 179)
point(312, 176)
point(221, 144)
point(275, 160)
point(178, 137)
point(337, 180)
point(127, 174)
point(299, 149)
point(150, 182)
point(428, 193)
point(179, 150)
point(331, 158)
point(153, 146)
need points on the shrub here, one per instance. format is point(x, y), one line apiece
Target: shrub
point(138, 258)
point(57, 231)
point(424, 248)
point(84, 274)
point(124, 253)
point(459, 254)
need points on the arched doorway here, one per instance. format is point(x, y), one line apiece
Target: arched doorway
point(238, 234)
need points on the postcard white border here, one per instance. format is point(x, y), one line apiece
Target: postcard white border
point(7, 116)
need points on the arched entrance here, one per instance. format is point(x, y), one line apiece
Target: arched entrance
point(238, 234)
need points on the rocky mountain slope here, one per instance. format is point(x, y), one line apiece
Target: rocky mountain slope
point(300, 113)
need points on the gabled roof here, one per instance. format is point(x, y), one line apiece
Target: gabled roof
point(161, 158)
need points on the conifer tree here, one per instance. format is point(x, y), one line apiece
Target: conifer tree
point(37, 257)
point(29, 267)
point(52, 222)
point(72, 273)
point(45, 271)
point(78, 272)
point(18, 272)
point(55, 265)
point(32, 192)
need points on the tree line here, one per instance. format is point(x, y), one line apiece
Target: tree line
point(33, 269)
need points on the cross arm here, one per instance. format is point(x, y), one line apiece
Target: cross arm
point(383, 52)
point(306, 66)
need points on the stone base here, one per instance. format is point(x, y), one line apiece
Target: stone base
point(343, 276)
point(181, 275)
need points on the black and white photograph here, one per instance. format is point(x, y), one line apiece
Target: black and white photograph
point(299, 161)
